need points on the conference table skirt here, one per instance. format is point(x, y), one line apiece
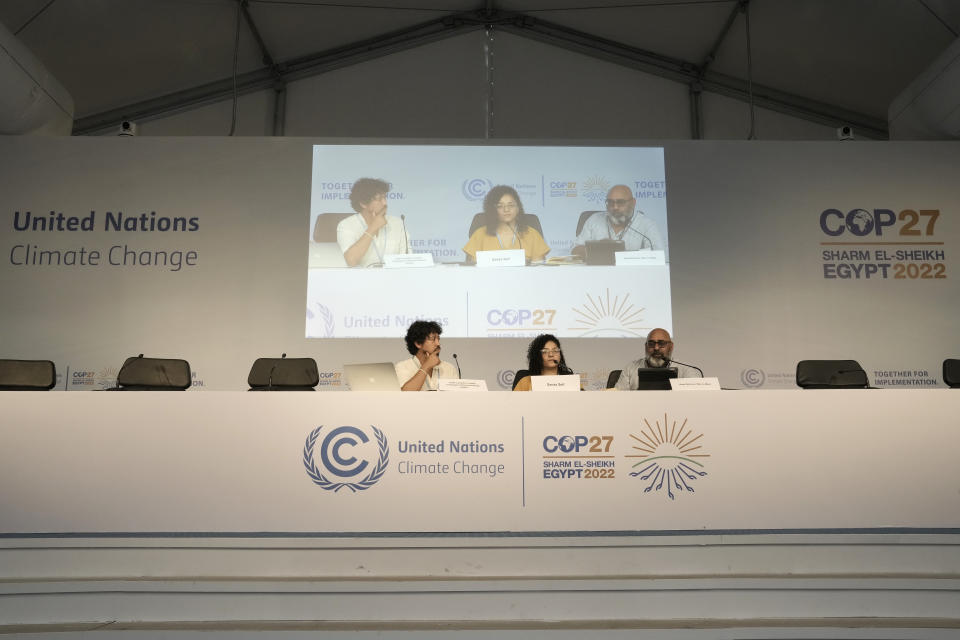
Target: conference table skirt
point(499, 463)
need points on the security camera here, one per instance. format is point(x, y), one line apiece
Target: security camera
point(845, 132)
point(127, 128)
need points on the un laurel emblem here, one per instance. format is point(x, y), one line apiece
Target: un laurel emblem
point(338, 459)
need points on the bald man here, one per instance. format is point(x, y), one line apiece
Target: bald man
point(659, 350)
point(620, 222)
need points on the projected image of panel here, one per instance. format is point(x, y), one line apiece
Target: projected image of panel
point(489, 241)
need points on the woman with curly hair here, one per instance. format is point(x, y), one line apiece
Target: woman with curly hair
point(544, 358)
point(505, 227)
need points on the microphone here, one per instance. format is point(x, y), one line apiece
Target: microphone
point(459, 375)
point(630, 226)
point(406, 238)
point(564, 370)
point(272, 369)
point(671, 361)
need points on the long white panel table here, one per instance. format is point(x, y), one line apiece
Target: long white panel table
point(507, 463)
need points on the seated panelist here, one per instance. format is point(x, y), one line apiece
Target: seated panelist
point(658, 355)
point(423, 369)
point(619, 222)
point(544, 358)
point(368, 236)
point(505, 227)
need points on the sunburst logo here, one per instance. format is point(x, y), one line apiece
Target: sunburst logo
point(107, 377)
point(666, 456)
point(603, 316)
point(595, 189)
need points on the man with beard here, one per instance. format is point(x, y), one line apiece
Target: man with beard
point(659, 348)
point(619, 222)
point(423, 369)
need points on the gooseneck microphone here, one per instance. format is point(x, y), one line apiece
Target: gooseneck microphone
point(406, 238)
point(629, 225)
point(671, 361)
point(459, 375)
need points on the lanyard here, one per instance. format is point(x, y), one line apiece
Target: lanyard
point(613, 234)
point(515, 237)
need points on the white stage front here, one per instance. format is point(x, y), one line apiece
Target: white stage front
point(360, 464)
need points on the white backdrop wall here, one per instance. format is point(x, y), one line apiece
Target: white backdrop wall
point(749, 293)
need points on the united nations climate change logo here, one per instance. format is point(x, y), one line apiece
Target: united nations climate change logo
point(608, 316)
point(505, 378)
point(666, 456)
point(475, 188)
point(339, 451)
point(753, 377)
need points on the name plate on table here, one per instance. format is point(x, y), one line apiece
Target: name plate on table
point(555, 383)
point(502, 258)
point(644, 258)
point(695, 384)
point(407, 260)
point(462, 385)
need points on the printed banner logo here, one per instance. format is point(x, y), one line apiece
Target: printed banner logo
point(338, 456)
point(752, 377)
point(666, 456)
point(595, 189)
point(320, 321)
point(864, 244)
point(505, 378)
point(475, 188)
point(602, 316)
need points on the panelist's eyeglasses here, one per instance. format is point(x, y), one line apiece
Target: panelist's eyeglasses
point(550, 352)
point(617, 201)
point(506, 207)
point(658, 343)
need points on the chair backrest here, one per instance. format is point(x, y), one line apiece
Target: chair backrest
point(27, 375)
point(951, 372)
point(325, 228)
point(283, 374)
point(153, 374)
point(531, 219)
point(613, 377)
point(583, 220)
point(518, 376)
point(831, 374)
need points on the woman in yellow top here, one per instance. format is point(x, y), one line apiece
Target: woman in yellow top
point(505, 228)
point(544, 358)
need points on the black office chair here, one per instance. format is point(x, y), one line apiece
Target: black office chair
point(325, 228)
point(583, 220)
point(519, 375)
point(153, 374)
point(283, 374)
point(951, 372)
point(613, 378)
point(27, 375)
point(831, 374)
point(531, 220)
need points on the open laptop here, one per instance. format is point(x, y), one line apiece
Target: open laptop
point(376, 376)
point(650, 379)
point(603, 251)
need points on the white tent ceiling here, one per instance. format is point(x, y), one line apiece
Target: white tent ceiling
point(819, 59)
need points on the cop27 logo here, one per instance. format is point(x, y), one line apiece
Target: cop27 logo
point(346, 453)
point(861, 222)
